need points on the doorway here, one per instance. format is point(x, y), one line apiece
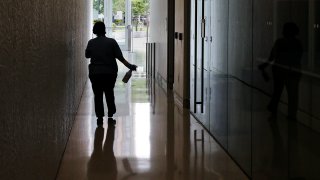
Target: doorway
point(117, 17)
point(127, 21)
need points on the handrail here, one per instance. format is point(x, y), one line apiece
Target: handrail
point(308, 73)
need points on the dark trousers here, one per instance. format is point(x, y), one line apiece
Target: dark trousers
point(291, 82)
point(103, 83)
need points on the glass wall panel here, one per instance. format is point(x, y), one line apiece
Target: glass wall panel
point(240, 39)
point(289, 119)
point(269, 137)
point(239, 123)
point(263, 38)
point(239, 93)
point(263, 84)
point(200, 60)
point(206, 60)
point(193, 38)
point(218, 71)
point(117, 16)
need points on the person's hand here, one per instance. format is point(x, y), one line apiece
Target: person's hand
point(133, 67)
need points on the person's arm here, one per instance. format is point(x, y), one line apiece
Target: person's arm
point(120, 57)
point(271, 57)
point(88, 51)
point(127, 64)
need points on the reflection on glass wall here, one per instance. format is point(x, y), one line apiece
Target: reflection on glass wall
point(259, 82)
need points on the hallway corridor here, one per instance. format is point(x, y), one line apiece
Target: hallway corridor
point(152, 139)
point(223, 90)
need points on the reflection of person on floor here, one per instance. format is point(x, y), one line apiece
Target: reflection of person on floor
point(103, 69)
point(279, 163)
point(286, 54)
point(103, 164)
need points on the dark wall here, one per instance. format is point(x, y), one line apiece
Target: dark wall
point(42, 75)
point(236, 94)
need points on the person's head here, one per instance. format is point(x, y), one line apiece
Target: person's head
point(99, 29)
point(290, 29)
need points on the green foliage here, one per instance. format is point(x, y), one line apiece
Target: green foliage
point(98, 5)
point(119, 5)
point(118, 22)
point(140, 7)
point(95, 21)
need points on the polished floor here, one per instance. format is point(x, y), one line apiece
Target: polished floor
point(152, 139)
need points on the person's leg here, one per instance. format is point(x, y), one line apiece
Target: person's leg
point(278, 85)
point(293, 96)
point(98, 95)
point(109, 93)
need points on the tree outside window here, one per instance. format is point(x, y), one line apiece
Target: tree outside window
point(140, 10)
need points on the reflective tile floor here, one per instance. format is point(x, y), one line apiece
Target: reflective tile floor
point(152, 139)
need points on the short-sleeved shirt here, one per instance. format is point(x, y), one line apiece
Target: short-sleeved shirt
point(287, 52)
point(103, 52)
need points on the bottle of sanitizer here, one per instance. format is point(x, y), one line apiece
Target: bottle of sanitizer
point(127, 76)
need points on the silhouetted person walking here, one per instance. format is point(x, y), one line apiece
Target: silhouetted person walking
point(286, 54)
point(103, 69)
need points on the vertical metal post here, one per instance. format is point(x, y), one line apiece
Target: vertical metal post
point(195, 155)
point(154, 60)
point(150, 62)
point(130, 38)
point(147, 56)
point(195, 56)
point(202, 57)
